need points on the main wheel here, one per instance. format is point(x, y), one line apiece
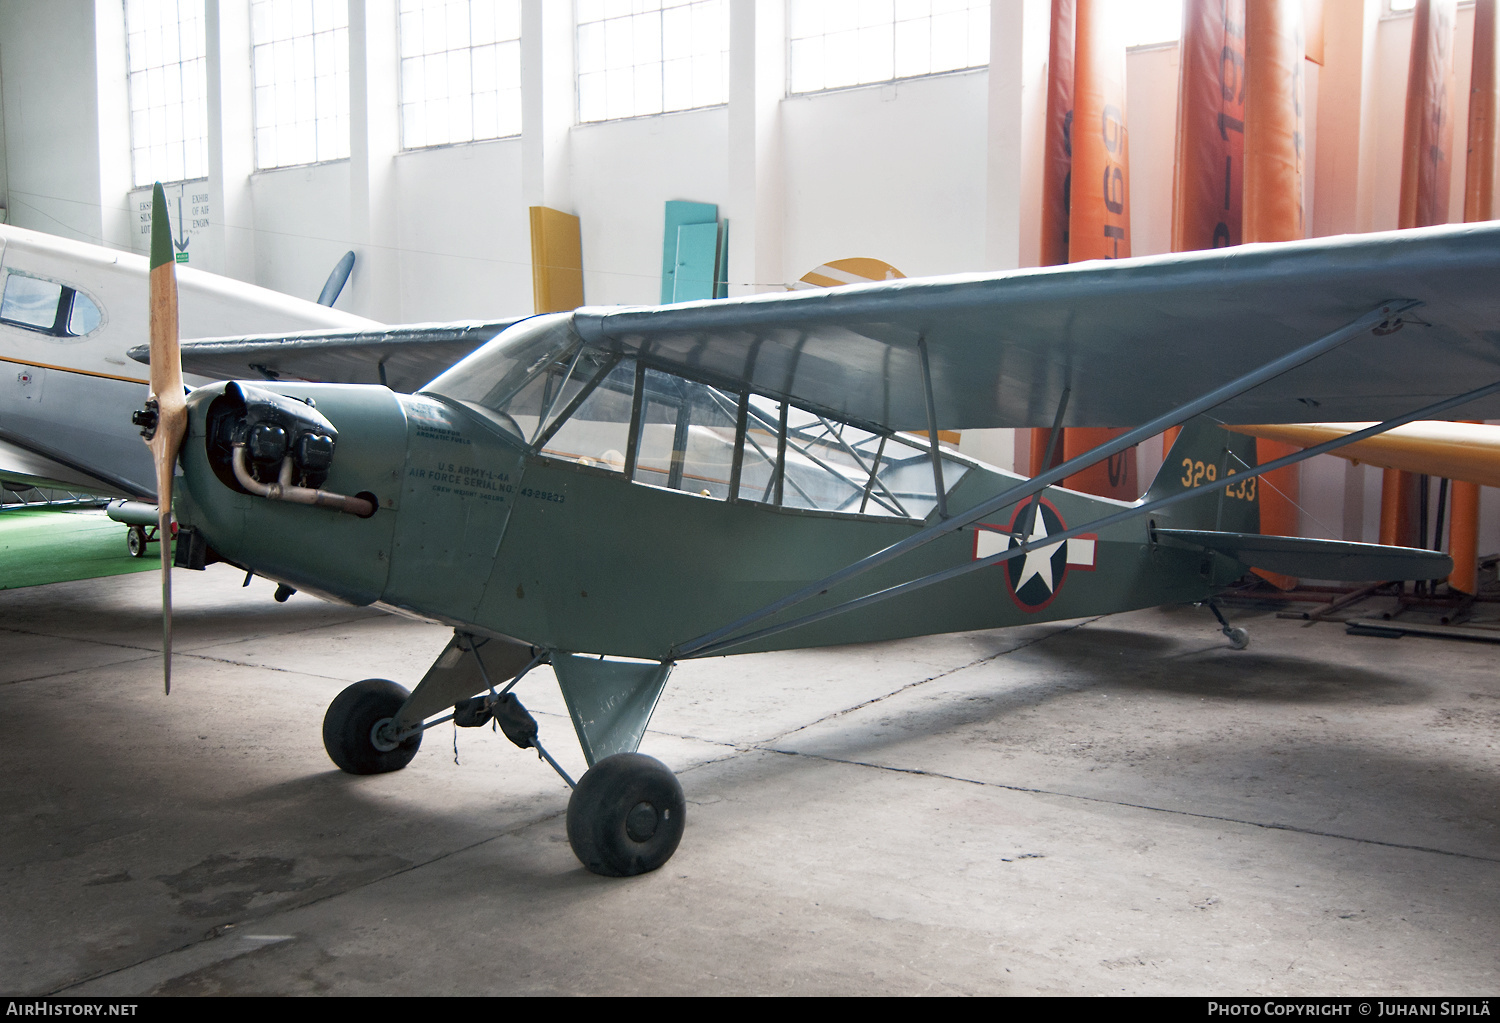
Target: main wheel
point(351, 726)
point(626, 815)
point(135, 541)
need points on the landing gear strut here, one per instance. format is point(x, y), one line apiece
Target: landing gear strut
point(627, 812)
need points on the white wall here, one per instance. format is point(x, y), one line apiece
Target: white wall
point(622, 173)
point(465, 243)
point(52, 118)
point(895, 172)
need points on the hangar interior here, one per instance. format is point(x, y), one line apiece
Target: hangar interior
point(1116, 804)
point(934, 173)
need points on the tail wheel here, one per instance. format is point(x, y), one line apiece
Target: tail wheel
point(626, 816)
point(351, 728)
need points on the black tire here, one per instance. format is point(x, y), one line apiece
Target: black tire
point(626, 816)
point(349, 726)
point(135, 541)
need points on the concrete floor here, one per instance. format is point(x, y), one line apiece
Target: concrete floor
point(1118, 805)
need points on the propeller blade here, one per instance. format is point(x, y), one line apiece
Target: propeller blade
point(168, 400)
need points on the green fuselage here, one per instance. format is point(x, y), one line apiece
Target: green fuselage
point(475, 531)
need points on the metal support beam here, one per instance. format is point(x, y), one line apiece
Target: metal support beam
point(1098, 525)
point(1181, 414)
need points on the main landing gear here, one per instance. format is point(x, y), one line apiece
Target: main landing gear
point(625, 816)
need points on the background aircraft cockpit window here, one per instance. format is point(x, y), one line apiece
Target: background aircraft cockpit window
point(687, 435)
point(30, 302)
point(47, 306)
point(84, 316)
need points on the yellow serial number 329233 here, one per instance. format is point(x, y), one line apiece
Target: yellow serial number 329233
point(1196, 473)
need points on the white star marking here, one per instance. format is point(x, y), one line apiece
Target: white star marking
point(1038, 559)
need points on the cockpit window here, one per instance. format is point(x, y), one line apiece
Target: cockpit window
point(488, 380)
point(832, 466)
point(602, 409)
point(47, 306)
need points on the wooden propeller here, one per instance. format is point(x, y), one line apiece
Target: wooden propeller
point(164, 420)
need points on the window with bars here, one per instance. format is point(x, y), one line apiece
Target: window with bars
point(460, 71)
point(300, 52)
point(639, 57)
point(164, 53)
point(839, 43)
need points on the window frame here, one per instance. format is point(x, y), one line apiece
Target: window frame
point(578, 118)
point(135, 178)
point(347, 116)
point(401, 59)
point(895, 79)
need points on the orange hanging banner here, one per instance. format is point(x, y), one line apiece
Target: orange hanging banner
point(1479, 195)
point(1275, 165)
point(1057, 167)
point(1208, 179)
point(1426, 167)
point(1099, 209)
point(1479, 171)
point(1209, 176)
point(1057, 153)
point(1427, 147)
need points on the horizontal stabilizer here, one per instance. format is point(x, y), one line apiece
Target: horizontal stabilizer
point(1338, 560)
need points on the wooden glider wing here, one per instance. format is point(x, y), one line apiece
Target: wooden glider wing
point(1131, 337)
point(1455, 451)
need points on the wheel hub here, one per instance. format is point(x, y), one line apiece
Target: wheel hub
point(641, 822)
point(378, 735)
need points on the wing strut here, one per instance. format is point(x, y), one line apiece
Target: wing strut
point(1387, 314)
point(702, 649)
point(932, 431)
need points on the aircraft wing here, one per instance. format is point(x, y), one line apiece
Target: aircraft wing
point(403, 357)
point(1131, 338)
point(23, 463)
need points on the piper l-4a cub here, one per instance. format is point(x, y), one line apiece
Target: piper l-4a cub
point(610, 491)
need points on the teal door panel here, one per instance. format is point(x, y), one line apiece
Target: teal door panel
point(697, 253)
point(678, 214)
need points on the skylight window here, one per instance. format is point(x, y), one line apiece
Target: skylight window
point(639, 57)
point(164, 52)
point(839, 43)
point(460, 71)
point(301, 64)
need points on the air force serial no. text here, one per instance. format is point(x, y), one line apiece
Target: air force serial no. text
point(1371, 1008)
